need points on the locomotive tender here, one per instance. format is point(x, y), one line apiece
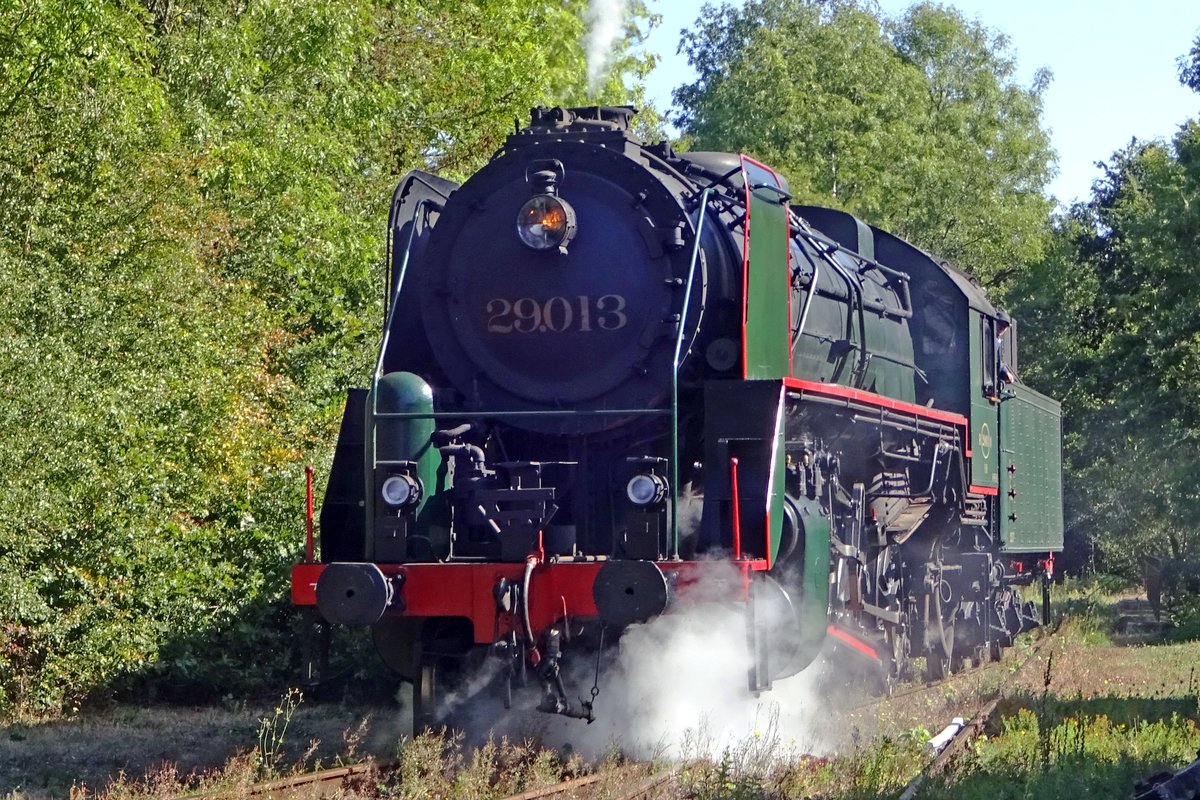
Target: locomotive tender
point(606, 365)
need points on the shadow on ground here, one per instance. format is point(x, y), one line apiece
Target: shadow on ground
point(210, 696)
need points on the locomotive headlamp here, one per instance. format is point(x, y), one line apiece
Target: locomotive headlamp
point(401, 490)
point(646, 489)
point(546, 222)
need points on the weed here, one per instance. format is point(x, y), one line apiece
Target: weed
point(353, 738)
point(740, 770)
point(272, 732)
point(1079, 755)
point(435, 766)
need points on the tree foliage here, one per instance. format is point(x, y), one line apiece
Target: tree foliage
point(192, 206)
point(915, 124)
point(1189, 67)
point(1116, 308)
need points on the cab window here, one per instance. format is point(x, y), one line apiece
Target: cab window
point(988, 350)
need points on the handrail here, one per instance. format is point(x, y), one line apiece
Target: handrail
point(784, 196)
point(812, 292)
point(737, 511)
point(391, 314)
point(687, 297)
point(387, 327)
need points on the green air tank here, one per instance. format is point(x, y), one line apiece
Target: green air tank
point(402, 445)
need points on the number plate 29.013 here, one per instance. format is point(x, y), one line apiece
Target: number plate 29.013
point(582, 314)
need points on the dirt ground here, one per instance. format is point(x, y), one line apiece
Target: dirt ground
point(46, 759)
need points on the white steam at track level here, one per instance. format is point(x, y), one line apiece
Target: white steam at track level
point(677, 688)
point(605, 19)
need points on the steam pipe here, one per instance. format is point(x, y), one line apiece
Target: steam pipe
point(856, 294)
point(940, 448)
point(309, 551)
point(812, 292)
point(687, 296)
point(530, 563)
point(737, 511)
point(815, 236)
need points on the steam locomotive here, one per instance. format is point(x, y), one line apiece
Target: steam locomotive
point(607, 365)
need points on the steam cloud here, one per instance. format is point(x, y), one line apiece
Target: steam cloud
point(677, 688)
point(604, 21)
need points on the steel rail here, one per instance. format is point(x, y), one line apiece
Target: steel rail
point(281, 787)
point(558, 788)
point(965, 736)
point(973, 727)
point(641, 790)
point(982, 669)
point(308, 784)
point(650, 784)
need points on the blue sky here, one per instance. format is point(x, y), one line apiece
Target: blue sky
point(1113, 65)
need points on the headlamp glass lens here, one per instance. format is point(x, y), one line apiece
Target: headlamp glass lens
point(398, 490)
point(642, 490)
point(545, 222)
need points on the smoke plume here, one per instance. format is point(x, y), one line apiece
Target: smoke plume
point(605, 19)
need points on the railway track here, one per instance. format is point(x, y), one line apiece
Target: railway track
point(351, 780)
point(961, 675)
point(320, 783)
point(977, 722)
point(643, 789)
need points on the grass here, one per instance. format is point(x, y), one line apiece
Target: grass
point(758, 770)
point(440, 767)
point(1075, 750)
point(1107, 711)
point(431, 766)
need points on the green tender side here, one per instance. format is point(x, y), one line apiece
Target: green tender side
point(1031, 504)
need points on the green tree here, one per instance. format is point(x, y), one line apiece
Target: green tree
point(915, 124)
point(1189, 67)
point(1140, 236)
point(193, 196)
point(1115, 308)
point(130, 373)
